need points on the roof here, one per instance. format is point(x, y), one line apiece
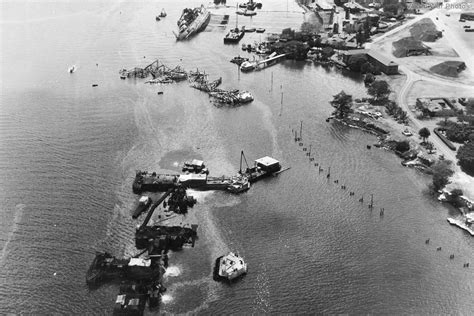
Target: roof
point(355, 52)
point(381, 58)
point(267, 161)
point(197, 162)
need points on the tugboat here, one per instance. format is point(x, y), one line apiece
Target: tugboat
point(234, 35)
point(143, 203)
point(229, 267)
point(195, 166)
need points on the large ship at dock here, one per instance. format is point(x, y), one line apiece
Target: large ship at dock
point(192, 21)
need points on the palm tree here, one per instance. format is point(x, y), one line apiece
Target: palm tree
point(342, 102)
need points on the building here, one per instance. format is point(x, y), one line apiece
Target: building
point(379, 61)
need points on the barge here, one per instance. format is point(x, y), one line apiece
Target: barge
point(132, 298)
point(153, 182)
point(229, 267)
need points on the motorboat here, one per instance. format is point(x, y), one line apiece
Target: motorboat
point(407, 132)
point(72, 69)
point(260, 30)
point(163, 13)
point(229, 267)
point(250, 30)
point(247, 66)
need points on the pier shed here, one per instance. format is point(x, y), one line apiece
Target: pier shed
point(379, 61)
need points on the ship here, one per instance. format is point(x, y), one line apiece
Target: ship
point(192, 21)
point(229, 267)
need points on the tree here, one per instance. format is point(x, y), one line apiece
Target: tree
point(392, 108)
point(441, 173)
point(356, 61)
point(424, 133)
point(465, 156)
point(379, 89)
point(369, 79)
point(402, 146)
point(342, 102)
point(367, 68)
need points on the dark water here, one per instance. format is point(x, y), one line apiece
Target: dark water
point(68, 154)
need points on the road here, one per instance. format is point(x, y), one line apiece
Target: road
point(412, 77)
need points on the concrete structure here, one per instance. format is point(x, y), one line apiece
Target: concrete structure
point(380, 62)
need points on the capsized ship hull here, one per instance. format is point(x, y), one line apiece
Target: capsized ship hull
point(192, 21)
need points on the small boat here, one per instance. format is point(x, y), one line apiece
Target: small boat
point(143, 203)
point(244, 47)
point(157, 18)
point(163, 13)
point(72, 69)
point(229, 267)
point(95, 85)
point(247, 66)
point(159, 92)
point(238, 60)
point(260, 30)
point(243, 5)
point(239, 186)
point(250, 30)
point(250, 13)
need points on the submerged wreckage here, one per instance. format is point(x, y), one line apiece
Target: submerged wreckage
point(160, 73)
point(220, 97)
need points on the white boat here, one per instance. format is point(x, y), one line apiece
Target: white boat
point(230, 267)
point(245, 97)
point(247, 66)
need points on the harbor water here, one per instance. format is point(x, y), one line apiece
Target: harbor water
point(69, 151)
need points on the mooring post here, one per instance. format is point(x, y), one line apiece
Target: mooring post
point(301, 130)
